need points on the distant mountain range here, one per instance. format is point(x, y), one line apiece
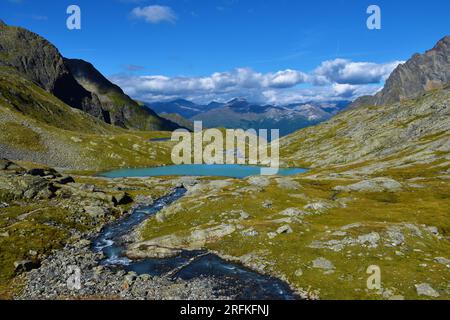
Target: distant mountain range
point(240, 113)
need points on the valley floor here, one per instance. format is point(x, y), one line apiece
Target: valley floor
point(319, 231)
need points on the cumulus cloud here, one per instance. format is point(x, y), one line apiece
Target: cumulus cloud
point(154, 14)
point(332, 80)
point(344, 71)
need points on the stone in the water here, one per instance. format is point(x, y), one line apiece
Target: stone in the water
point(425, 289)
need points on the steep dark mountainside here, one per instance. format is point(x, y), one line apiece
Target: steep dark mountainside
point(36, 126)
point(40, 62)
point(123, 111)
point(181, 121)
point(422, 73)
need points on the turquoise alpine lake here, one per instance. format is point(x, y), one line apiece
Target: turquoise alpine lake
point(200, 170)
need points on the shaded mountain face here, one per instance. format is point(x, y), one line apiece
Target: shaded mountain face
point(39, 61)
point(123, 111)
point(420, 74)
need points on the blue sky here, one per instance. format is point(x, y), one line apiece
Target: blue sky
point(276, 51)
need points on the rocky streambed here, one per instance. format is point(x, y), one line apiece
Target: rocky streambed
point(104, 271)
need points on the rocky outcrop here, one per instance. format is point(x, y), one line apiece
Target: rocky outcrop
point(123, 111)
point(39, 61)
point(170, 245)
point(421, 73)
point(373, 185)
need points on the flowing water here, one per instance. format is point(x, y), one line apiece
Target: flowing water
point(189, 264)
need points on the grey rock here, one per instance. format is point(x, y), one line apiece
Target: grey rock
point(373, 185)
point(95, 211)
point(284, 229)
point(259, 181)
point(298, 272)
point(443, 261)
point(292, 212)
point(249, 232)
point(425, 289)
point(25, 266)
point(322, 263)
point(64, 180)
point(421, 73)
point(288, 184)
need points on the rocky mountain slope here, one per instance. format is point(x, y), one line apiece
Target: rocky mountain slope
point(421, 73)
point(122, 110)
point(412, 131)
point(388, 129)
point(39, 61)
point(36, 126)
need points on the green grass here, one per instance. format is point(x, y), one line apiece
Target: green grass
point(289, 252)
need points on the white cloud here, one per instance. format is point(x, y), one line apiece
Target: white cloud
point(344, 71)
point(154, 14)
point(332, 80)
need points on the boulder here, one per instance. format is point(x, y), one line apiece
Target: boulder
point(322, 263)
point(425, 289)
point(284, 229)
point(249, 232)
point(122, 198)
point(292, 212)
point(319, 206)
point(95, 211)
point(259, 181)
point(22, 266)
point(372, 185)
point(6, 164)
point(41, 172)
point(442, 260)
point(288, 184)
point(64, 180)
point(151, 251)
